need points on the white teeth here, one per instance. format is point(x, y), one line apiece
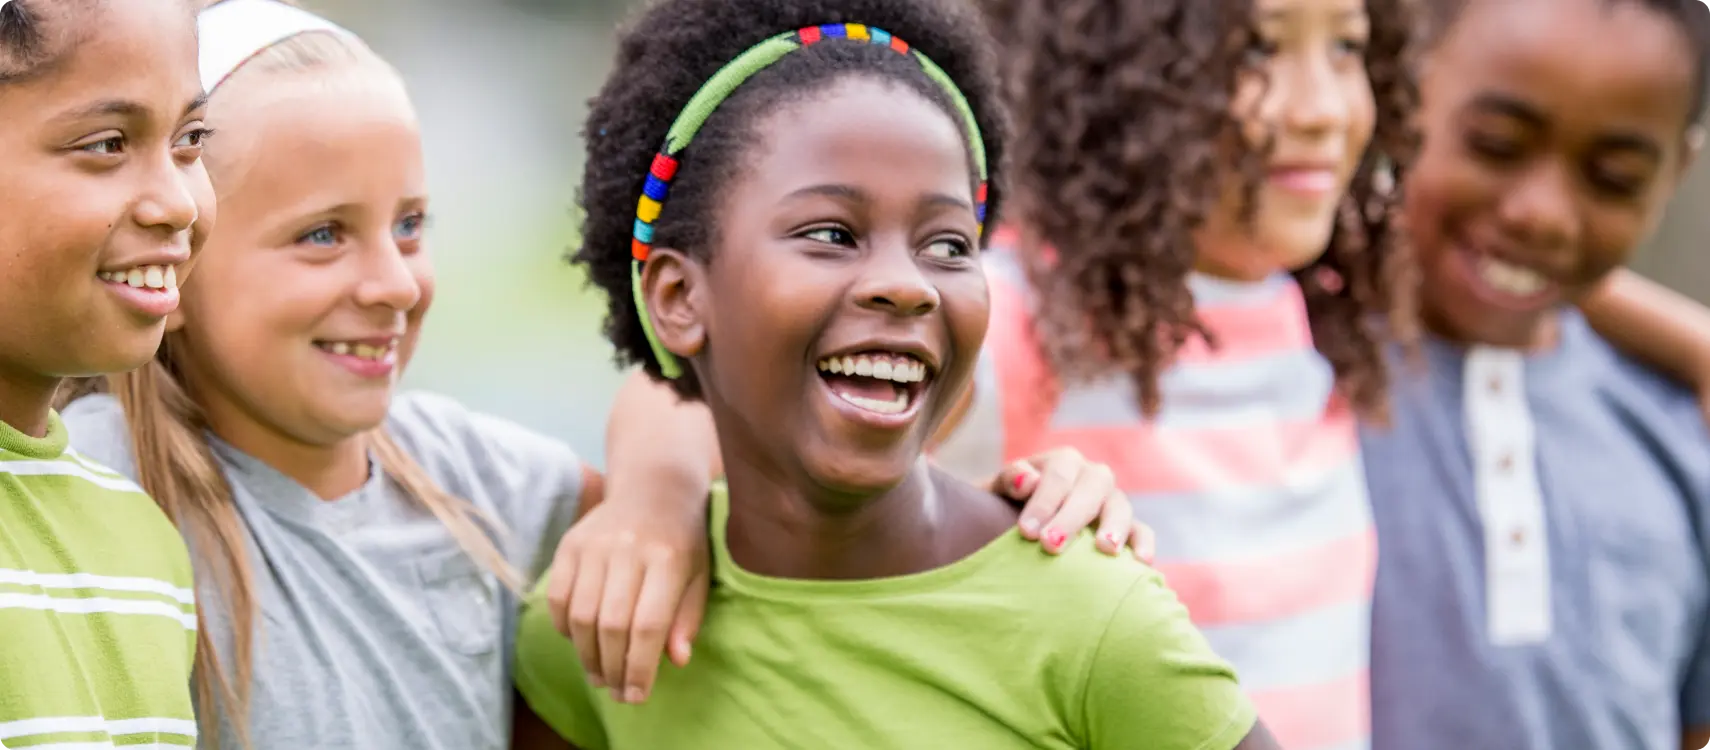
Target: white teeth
point(143, 277)
point(897, 368)
point(364, 351)
point(1509, 278)
point(897, 405)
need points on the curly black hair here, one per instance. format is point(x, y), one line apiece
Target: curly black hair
point(1123, 127)
point(675, 46)
point(1692, 15)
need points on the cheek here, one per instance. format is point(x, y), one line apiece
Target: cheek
point(1362, 114)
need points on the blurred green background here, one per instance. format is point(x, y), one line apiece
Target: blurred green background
point(501, 86)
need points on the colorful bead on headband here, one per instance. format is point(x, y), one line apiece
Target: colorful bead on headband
point(715, 91)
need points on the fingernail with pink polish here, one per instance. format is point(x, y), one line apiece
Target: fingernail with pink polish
point(1054, 538)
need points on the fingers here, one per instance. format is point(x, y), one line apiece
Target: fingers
point(560, 579)
point(661, 589)
point(1057, 472)
point(1115, 522)
point(1145, 543)
point(691, 610)
point(584, 611)
point(617, 609)
point(1083, 502)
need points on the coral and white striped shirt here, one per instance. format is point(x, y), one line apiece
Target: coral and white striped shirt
point(1250, 475)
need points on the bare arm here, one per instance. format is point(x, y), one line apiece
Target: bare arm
point(1654, 324)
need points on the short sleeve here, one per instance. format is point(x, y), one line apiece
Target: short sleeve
point(550, 677)
point(1155, 682)
point(533, 482)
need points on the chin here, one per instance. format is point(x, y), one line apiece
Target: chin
point(125, 353)
point(353, 417)
point(863, 476)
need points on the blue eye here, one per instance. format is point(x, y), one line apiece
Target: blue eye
point(410, 227)
point(325, 235)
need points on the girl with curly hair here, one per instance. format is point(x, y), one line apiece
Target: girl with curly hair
point(1201, 194)
point(802, 255)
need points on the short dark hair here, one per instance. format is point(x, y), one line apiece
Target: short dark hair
point(1693, 16)
point(675, 46)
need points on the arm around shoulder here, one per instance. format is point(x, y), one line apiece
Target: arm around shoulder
point(1155, 679)
point(1653, 324)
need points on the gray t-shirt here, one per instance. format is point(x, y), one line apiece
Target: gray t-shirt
point(1552, 604)
point(376, 630)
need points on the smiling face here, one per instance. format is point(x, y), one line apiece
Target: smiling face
point(315, 283)
point(1314, 104)
point(844, 305)
point(103, 197)
point(1555, 131)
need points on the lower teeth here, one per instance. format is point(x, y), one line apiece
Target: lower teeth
point(897, 405)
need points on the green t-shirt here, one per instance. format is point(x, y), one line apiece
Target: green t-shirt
point(1007, 648)
point(97, 612)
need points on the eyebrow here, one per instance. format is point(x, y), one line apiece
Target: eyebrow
point(851, 193)
point(125, 108)
point(1280, 15)
point(1509, 106)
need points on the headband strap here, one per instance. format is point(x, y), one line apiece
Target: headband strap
point(714, 92)
point(234, 31)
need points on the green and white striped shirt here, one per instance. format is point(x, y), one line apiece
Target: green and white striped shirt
point(97, 609)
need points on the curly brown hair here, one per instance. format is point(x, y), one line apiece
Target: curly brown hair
point(1123, 116)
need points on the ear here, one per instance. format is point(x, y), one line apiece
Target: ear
point(1695, 137)
point(673, 285)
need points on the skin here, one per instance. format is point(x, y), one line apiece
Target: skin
point(852, 223)
point(324, 207)
point(1516, 163)
point(1517, 168)
point(100, 169)
point(852, 230)
point(1314, 104)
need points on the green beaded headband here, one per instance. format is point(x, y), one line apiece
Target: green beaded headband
point(714, 92)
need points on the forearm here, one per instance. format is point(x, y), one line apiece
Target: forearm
point(1653, 324)
point(655, 438)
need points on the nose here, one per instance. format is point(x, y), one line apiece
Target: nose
point(168, 202)
point(1538, 211)
point(1310, 96)
point(388, 280)
point(892, 282)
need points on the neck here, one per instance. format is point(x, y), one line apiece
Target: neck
point(25, 401)
point(330, 471)
point(792, 528)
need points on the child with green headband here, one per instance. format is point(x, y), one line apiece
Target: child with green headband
point(816, 212)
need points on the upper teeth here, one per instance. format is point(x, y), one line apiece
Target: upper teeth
point(365, 351)
point(1509, 278)
point(899, 368)
point(152, 277)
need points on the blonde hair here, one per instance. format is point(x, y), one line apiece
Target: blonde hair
point(177, 467)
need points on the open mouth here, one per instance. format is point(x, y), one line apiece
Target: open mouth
point(883, 383)
point(365, 358)
point(157, 278)
point(1508, 284)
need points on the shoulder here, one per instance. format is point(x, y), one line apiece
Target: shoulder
point(99, 432)
point(1648, 402)
point(436, 428)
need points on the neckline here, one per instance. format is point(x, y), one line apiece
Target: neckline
point(728, 573)
point(273, 489)
point(49, 446)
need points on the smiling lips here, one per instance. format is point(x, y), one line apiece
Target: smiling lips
point(884, 383)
